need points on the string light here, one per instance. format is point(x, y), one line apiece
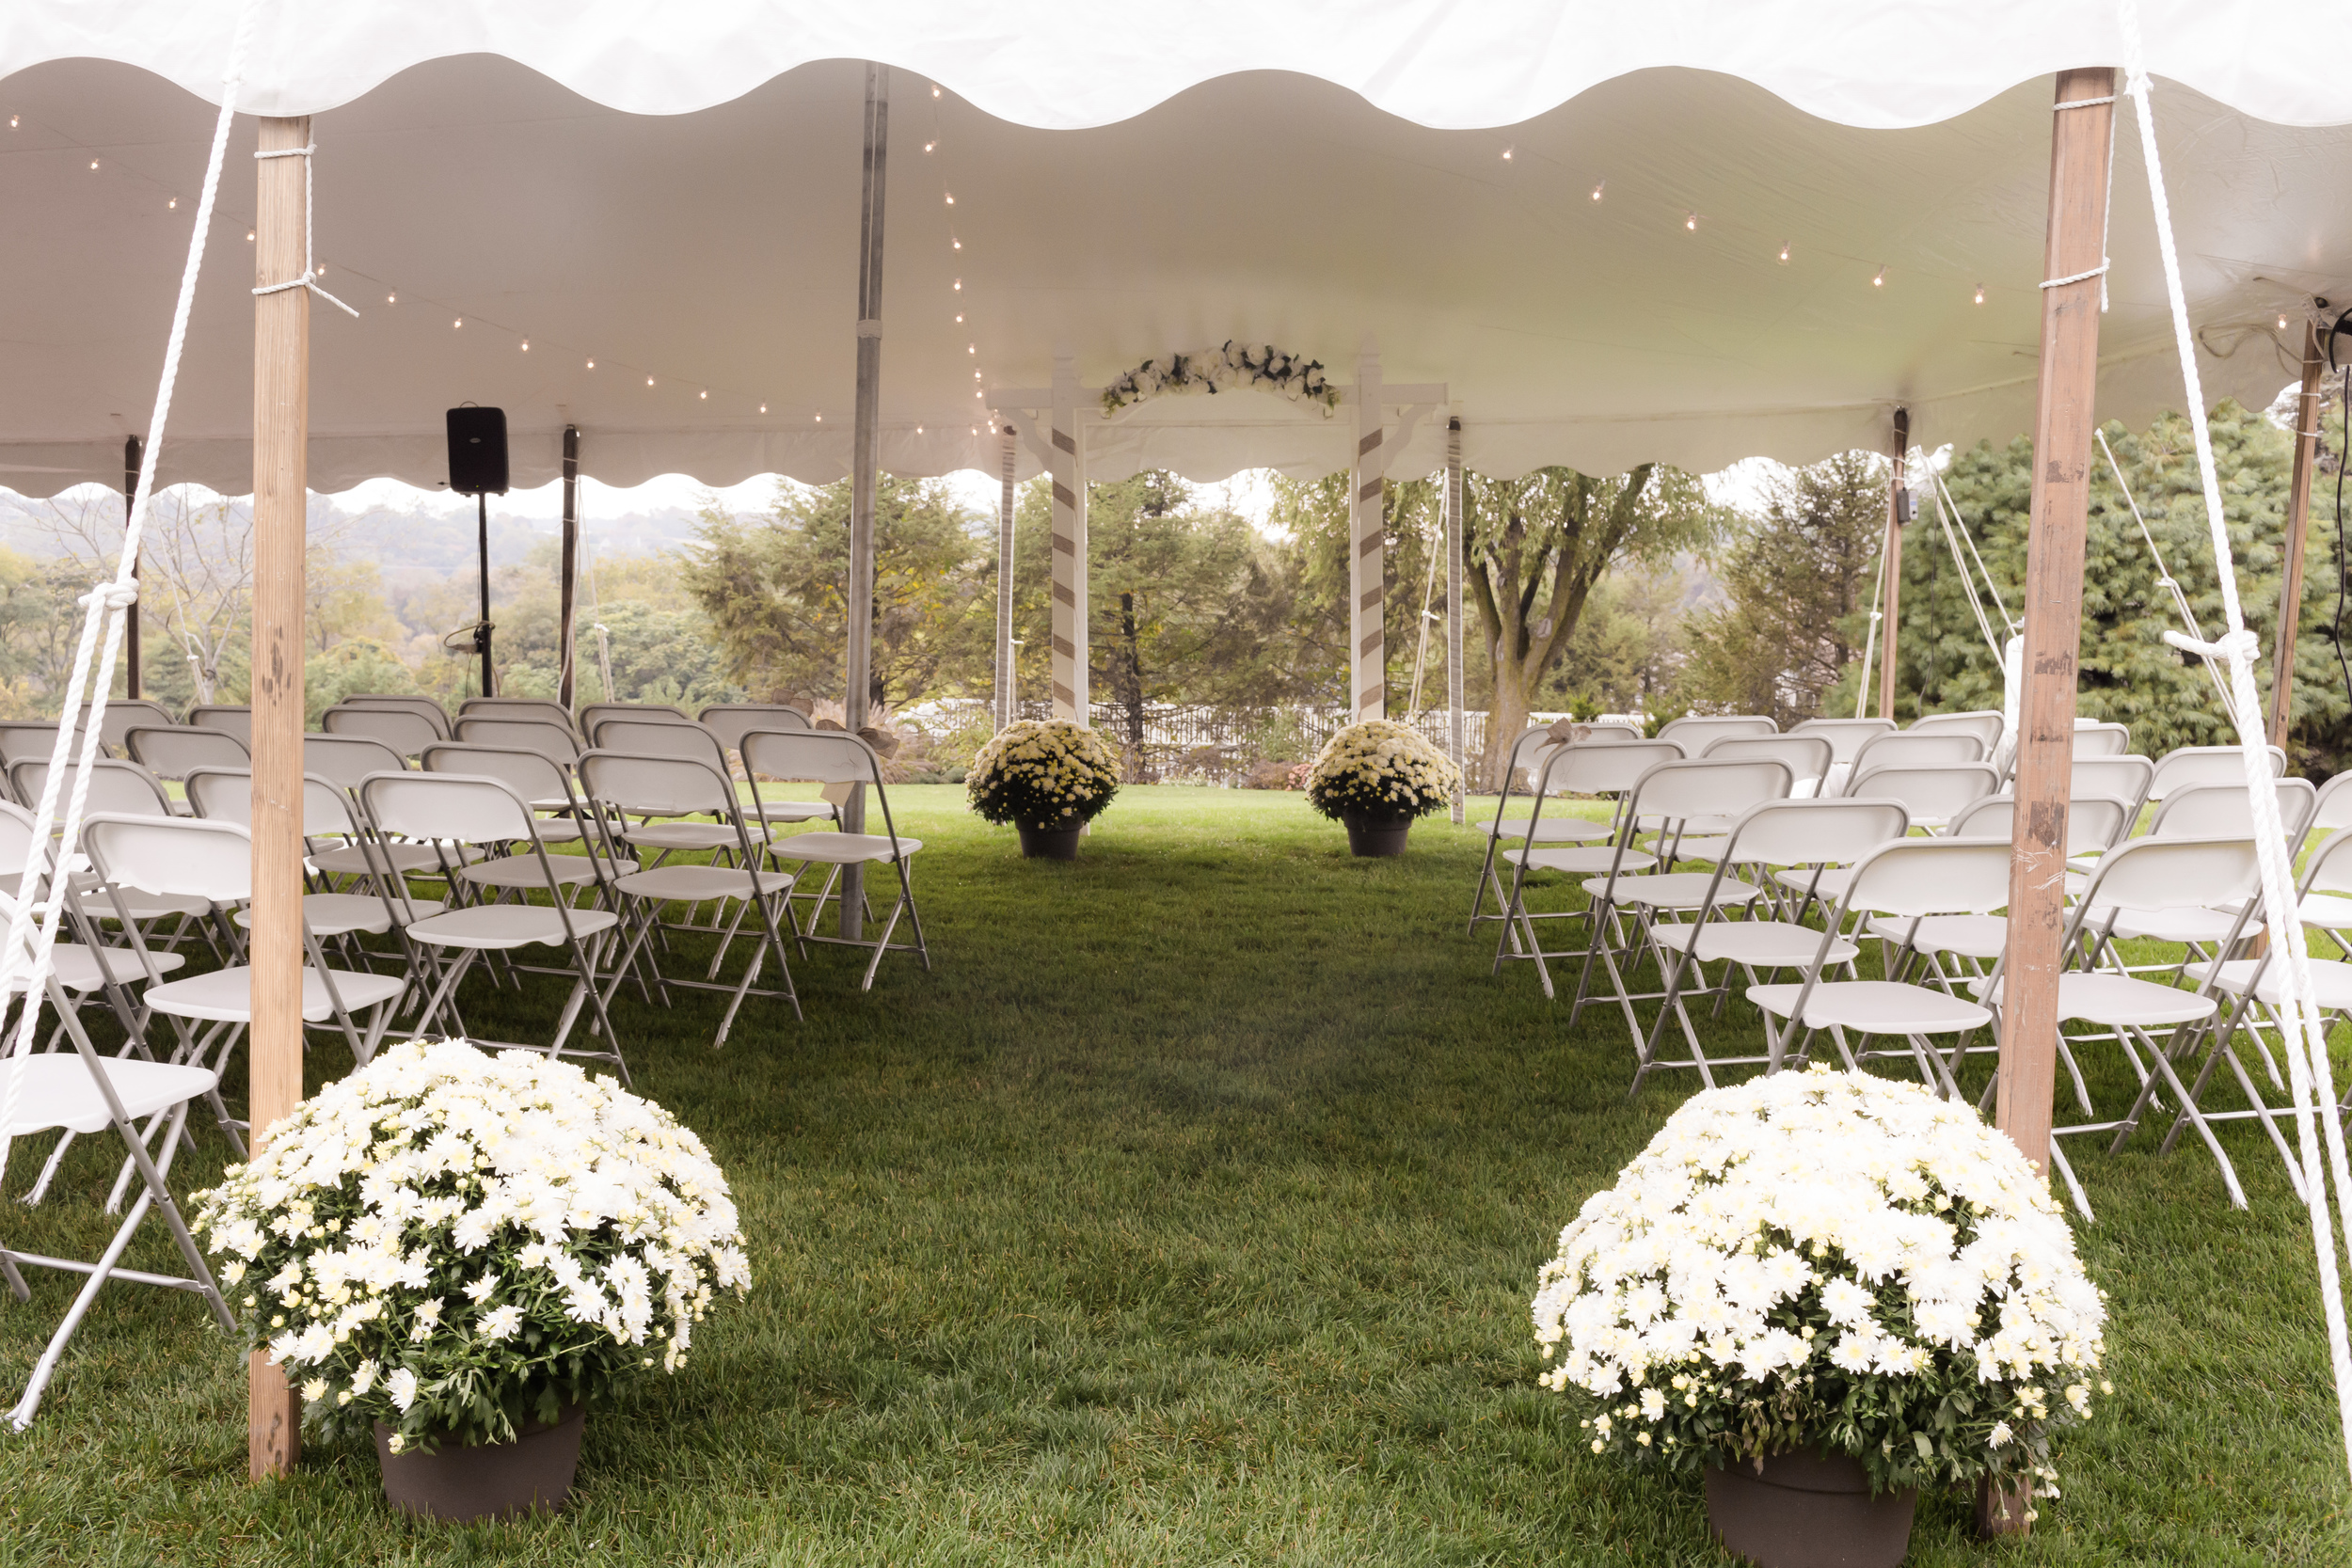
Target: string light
point(763, 409)
point(1690, 220)
point(918, 430)
point(93, 162)
point(1880, 282)
point(459, 324)
point(249, 236)
point(929, 145)
point(173, 205)
point(821, 418)
point(1784, 255)
point(1979, 294)
point(971, 348)
point(526, 345)
point(958, 285)
point(934, 89)
point(649, 381)
point(1506, 154)
point(394, 299)
point(957, 244)
point(12, 123)
point(591, 363)
point(958, 316)
point(2282, 324)
point(951, 198)
point(1598, 189)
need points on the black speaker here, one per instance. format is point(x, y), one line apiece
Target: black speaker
point(477, 451)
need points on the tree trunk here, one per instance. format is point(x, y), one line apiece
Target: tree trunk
point(1131, 688)
point(1507, 719)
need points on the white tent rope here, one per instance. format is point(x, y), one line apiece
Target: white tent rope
point(1869, 641)
point(27, 960)
point(1992, 586)
point(2167, 581)
point(2304, 1035)
point(309, 278)
point(1967, 581)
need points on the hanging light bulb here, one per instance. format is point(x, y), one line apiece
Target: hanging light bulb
point(93, 162)
point(394, 299)
point(591, 363)
point(1506, 154)
point(173, 205)
point(763, 409)
point(526, 345)
point(2282, 324)
point(821, 418)
point(934, 89)
point(12, 123)
point(703, 394)
point(1598, 189)
point(1784, 255)
point(1879, 281)
point(1979, 294)
point(249, 236)
point(929, 145)
point(1690, 220)
point(957, 244)
point(458, 324)
point(958, 285)
point(918, 430)
point(958, 316)
point(951, 198)
point(971, 348)
point(649, 381)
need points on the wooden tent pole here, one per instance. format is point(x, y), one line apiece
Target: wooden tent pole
point(2063, 423)
point(131, 455)
point(567, 642)
point(1454, 520)
point(2298, 533)
point(281, 427)
point(865, 448)
point(1891, 561)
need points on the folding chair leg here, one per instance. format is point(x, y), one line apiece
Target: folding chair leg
point(2073, 1188)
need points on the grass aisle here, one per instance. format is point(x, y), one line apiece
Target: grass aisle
point(1187, 1215)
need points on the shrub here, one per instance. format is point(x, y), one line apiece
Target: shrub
point(1381, 768)
point(1043, 773)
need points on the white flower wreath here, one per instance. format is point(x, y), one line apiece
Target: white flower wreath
point(1234, 367)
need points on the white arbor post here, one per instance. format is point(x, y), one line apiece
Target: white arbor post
point(1367, 561)
point(1069, 474)
point(1005, 705)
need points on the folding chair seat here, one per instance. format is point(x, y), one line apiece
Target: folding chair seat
point(1532, 751)
point(85, 968)
point(404, 729)
point(1775, 833)
point(465, 810)
point(1980, 940)
point(236, 718)
point(829, 758)
point(676, 737)
point(2146, 875)
point(1671, 792)
point(621, 786)
point(175, 751)
point(226, 795)
point(123, 789)
point(2207, 810)
point(1906, 878)
point(1611, 768)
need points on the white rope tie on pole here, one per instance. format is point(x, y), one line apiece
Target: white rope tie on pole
point(2303, 1030)
point(29, 960)
point(309, 278)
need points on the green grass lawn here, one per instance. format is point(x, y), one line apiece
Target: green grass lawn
point(1187, 1213)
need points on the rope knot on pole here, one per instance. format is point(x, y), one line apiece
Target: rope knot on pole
point(111, 596)
point(309, 278)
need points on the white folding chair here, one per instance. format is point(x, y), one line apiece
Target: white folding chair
point(621, 786)
point(26, 740)
point(553, 741)
point(1529, 751)
point(1906, 878)
point(2332, 811)
point(1946, 747)
point(541, 709)
point(124, 714)
point(1673, 794)
point(404, 729)
point(2184, 766)
point(1611, 768)
point(236, 718)
point(2146, 876)
point(83, 1092)
point(1773, 833)
point(1986, 724)
point(1932, 792)
point(174, 751)
point(127, 789)
point(1696, 732)
point(676, 737)
point(427, 708)
point(2203, 811)
point(343, 760)
point(828, 757)
point(460, 808)
point(732, 722)
point(530, 774)
point(1808, 756)
point(192, 858)
point(2102, 740)
point(645, 713)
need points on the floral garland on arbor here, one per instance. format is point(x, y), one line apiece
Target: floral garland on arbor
point(1234, 367)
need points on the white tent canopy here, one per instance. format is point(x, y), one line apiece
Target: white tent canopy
point(679, 208)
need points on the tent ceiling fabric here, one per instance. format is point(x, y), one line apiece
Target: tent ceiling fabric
point(713, 250)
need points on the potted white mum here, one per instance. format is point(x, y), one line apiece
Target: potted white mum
point(463, 1251)
point(1377, 777)
point(1825, 1290)
point(1049, 778)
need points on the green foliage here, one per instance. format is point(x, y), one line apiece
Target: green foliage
point(1628, 647)
point(774, 591)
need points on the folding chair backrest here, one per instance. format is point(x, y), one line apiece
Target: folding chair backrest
point(460, 807)
point(2102, 740)
point(2093, 823)
point(1941, 792)
point(1813, 833)
point(124, 788)
point(2330, 869)
point(173, 752)
point(732, 722)
point(348, 758)
point(1675, 790)
point(21, 739)
point(541, 708)
point(1846, 735)
point(1909, 749)
point(2227, 810)
point(1611, 768)
point(226, 795)
point(1808, 756)
point(1984, 723)
point(423, 708)
point(1602, 733)
point(2174, 873)
point(2333, 809)
point(2197, 764)
point(820, 756)
point(1932, 876)
point(556, 742)
point(650, 713)
point(529, 774)
point(680, 738)
point(404, 729)
point(657, 785)
point(2124, 778)
point(176, 856)
point(16, 839)
point(236, 718)
point(124, 714)
point(1696, 731)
